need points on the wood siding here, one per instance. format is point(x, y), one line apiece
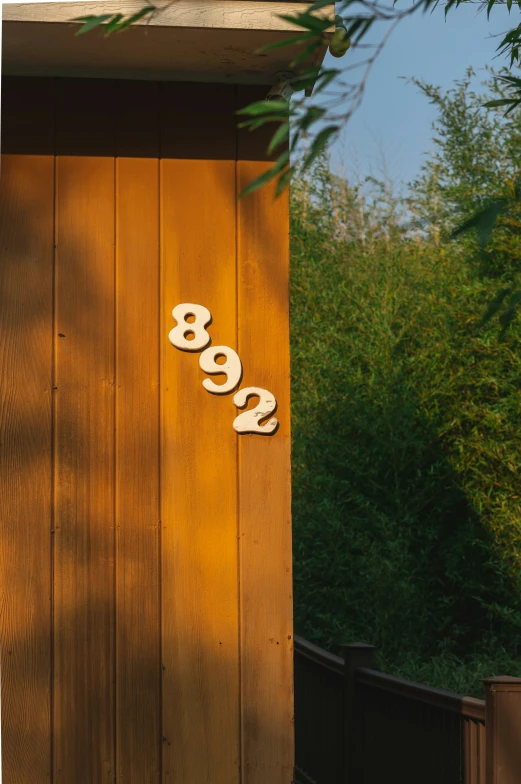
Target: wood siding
point(145, 568)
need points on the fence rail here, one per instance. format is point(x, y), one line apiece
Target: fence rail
point(355, 725)
point(437, 698)
point(319, 706)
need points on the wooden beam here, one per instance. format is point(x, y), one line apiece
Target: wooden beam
point(154, 53)
point(220, 14)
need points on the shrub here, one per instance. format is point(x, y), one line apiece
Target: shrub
point(406, 444)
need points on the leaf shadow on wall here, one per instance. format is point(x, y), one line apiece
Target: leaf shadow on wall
point(80, 583)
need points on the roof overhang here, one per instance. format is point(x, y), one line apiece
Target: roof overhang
point(187, 40)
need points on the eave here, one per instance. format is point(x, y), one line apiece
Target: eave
point(189, 40)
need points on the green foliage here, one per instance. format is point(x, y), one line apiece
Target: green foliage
point(112, 23)
point(473, 182)
point(406, 442)
point(514, 83)
point(352, 23)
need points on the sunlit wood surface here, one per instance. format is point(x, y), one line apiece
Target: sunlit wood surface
point(145, 564)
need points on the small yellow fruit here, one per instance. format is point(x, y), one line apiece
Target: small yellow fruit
point(340, 43)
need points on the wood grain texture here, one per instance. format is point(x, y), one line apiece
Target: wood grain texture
point(221, 14)
point(138, 672)
point(152, 640)
point(84, 618)
point(175, 54)
point(199, 480)
point(264, 489)
point(26, 272)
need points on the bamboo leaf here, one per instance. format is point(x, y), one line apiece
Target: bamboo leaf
point(309, 22)
point(319, 144)
point(266, 176)
point(509, 314)
point(484, 221)
point(306, 79)
point(91, 22)
point(111, 26)
point(313, 114)
point(257, 122)
point(497, 102)
point(495, 305)
point(298, 39)
point(306, 53)
point(136, 17)
point(513, 106)
point(326, 77)
point(449, 5)
point(284, 181)
point(113, 23)
point(512, 80)
point(280, 136)
point(319, 4)
point(280, 108)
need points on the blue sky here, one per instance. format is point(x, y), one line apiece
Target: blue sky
point(394, 121)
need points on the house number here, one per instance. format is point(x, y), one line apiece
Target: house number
point(193, 336)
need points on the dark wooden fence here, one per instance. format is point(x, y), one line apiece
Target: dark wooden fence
point(319, 712)
point(355, 725)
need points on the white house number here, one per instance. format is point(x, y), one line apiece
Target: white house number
point(193, 336)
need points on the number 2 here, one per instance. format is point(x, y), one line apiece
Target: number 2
point(249, 421)
point(178, 335)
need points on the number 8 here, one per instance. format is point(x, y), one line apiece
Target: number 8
point(178, 335)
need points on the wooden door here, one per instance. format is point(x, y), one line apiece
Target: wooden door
point(145, 569)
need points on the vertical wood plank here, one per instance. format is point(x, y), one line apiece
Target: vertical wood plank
point(26, 272)
point(103, 711)
point(471, 758)
point(503, 729)
point(482, 753)
point(84, 435)
point(138, 672)
point(264, 482)
point(199, 452)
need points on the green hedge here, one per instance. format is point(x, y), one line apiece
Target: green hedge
point(406, 452)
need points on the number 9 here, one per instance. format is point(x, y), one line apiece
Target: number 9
point(232, 368)
point(178, 335)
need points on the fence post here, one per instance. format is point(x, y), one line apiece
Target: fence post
point(356, 654)
point(503, 730)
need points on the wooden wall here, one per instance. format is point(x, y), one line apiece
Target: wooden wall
point(145, 565)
